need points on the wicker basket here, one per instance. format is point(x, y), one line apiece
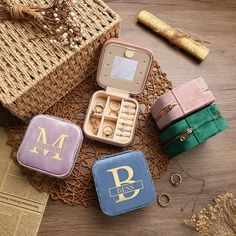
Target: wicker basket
point(34, 74)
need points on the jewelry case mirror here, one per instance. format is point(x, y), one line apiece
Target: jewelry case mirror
point(112, 114)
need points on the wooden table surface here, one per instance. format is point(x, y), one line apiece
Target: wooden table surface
point(213, 162)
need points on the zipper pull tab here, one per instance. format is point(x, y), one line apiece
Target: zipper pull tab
point(217, 116)
point(165, 110)
point(185, 134)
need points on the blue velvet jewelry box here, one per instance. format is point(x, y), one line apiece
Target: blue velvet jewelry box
point(123, 182)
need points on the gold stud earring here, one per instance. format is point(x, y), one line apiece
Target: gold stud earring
point(99, 107)
point(108, 131)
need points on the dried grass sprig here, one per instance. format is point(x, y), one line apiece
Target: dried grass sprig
point(219, 219)
point(57, 20)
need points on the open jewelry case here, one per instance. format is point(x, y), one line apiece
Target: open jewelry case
point(112, 114)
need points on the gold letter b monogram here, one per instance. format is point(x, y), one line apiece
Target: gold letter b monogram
point(119, 183)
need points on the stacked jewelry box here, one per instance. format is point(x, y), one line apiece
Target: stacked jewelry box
point(187, 117)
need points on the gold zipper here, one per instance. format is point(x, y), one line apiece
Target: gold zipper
point(185, 134)
point(166, 109)
point(205, 90)
point(217, 116)
point(181, 137)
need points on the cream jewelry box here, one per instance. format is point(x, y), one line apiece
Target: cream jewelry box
point(112, 113)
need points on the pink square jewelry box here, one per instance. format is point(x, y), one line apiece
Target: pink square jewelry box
point(181, 101)
point(50, 146)
point(112, 113)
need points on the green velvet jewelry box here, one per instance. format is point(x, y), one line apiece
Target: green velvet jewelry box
point(193, 130)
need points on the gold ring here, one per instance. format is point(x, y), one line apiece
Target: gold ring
point(114, 106)
point(108, 131)
point(99, 107)
point(167, 200)
point(175, 179)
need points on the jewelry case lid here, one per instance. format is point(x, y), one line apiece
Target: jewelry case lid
point(124, 66)
point(123, 182)
point(50, 146)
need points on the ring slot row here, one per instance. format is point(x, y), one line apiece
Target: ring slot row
point(118, 119)
point(126, 120)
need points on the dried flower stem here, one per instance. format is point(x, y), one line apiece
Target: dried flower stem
point(57, 20)
point(219, 219)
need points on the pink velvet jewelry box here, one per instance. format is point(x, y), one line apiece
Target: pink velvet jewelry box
point(181, 101)
point(50, 146)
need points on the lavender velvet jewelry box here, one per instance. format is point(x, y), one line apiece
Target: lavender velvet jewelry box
point(50, 146)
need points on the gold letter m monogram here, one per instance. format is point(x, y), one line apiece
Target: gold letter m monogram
point(55, 148)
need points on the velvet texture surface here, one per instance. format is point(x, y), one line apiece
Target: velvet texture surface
point(50, 146)
point(123, 182)
point(188, 97)
point(204, 124)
